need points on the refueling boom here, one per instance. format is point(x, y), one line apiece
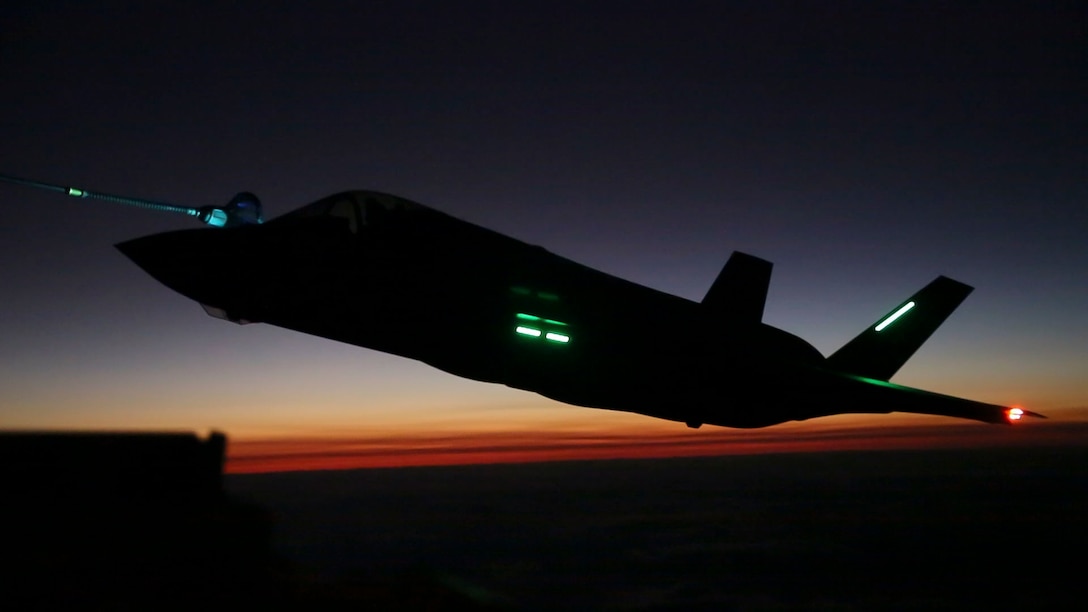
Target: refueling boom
point(243, 209)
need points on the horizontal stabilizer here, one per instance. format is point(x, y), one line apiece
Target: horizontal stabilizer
point(740, 291)
point(883, 348)
point(917, 401)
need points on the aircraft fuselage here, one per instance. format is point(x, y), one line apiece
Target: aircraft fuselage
point(384, 273)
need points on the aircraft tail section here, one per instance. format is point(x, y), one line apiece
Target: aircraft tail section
point(740, 291)
point(883, 348)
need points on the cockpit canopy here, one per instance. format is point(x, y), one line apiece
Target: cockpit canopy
point(358, 208)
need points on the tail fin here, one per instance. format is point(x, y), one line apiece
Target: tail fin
point(740, 291)
point(879, 352)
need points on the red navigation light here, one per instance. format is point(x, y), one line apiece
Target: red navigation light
point(1015, 413)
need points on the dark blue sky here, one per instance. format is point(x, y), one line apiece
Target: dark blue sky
point(862, 147)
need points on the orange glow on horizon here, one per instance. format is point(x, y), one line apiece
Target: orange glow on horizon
point(339, 452)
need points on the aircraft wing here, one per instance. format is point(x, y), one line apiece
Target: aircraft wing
point(898, 398)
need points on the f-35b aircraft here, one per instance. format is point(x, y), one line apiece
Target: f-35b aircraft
point(385, 273)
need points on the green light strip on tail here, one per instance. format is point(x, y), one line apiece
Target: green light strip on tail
point(895, 315)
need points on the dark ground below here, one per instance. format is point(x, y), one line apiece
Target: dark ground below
point(948, 529)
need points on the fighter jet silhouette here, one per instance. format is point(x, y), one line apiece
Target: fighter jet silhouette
point(385, 273)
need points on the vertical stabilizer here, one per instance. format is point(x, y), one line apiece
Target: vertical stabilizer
point(883, 348)
point(740, 291)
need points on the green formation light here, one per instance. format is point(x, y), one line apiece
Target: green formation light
point(528, 317)
point(535, 332)
point(895, 315)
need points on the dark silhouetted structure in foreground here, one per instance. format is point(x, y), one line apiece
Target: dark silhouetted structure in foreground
point(119, 465)
point(140, 521)
point(127, 521)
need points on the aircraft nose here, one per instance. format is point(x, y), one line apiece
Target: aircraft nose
point(187, 261)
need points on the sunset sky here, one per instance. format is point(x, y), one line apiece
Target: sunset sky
point(862, 150)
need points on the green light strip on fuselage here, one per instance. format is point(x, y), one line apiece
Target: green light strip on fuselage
point(536, 333)
point(895, 315)
point(528, 317)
